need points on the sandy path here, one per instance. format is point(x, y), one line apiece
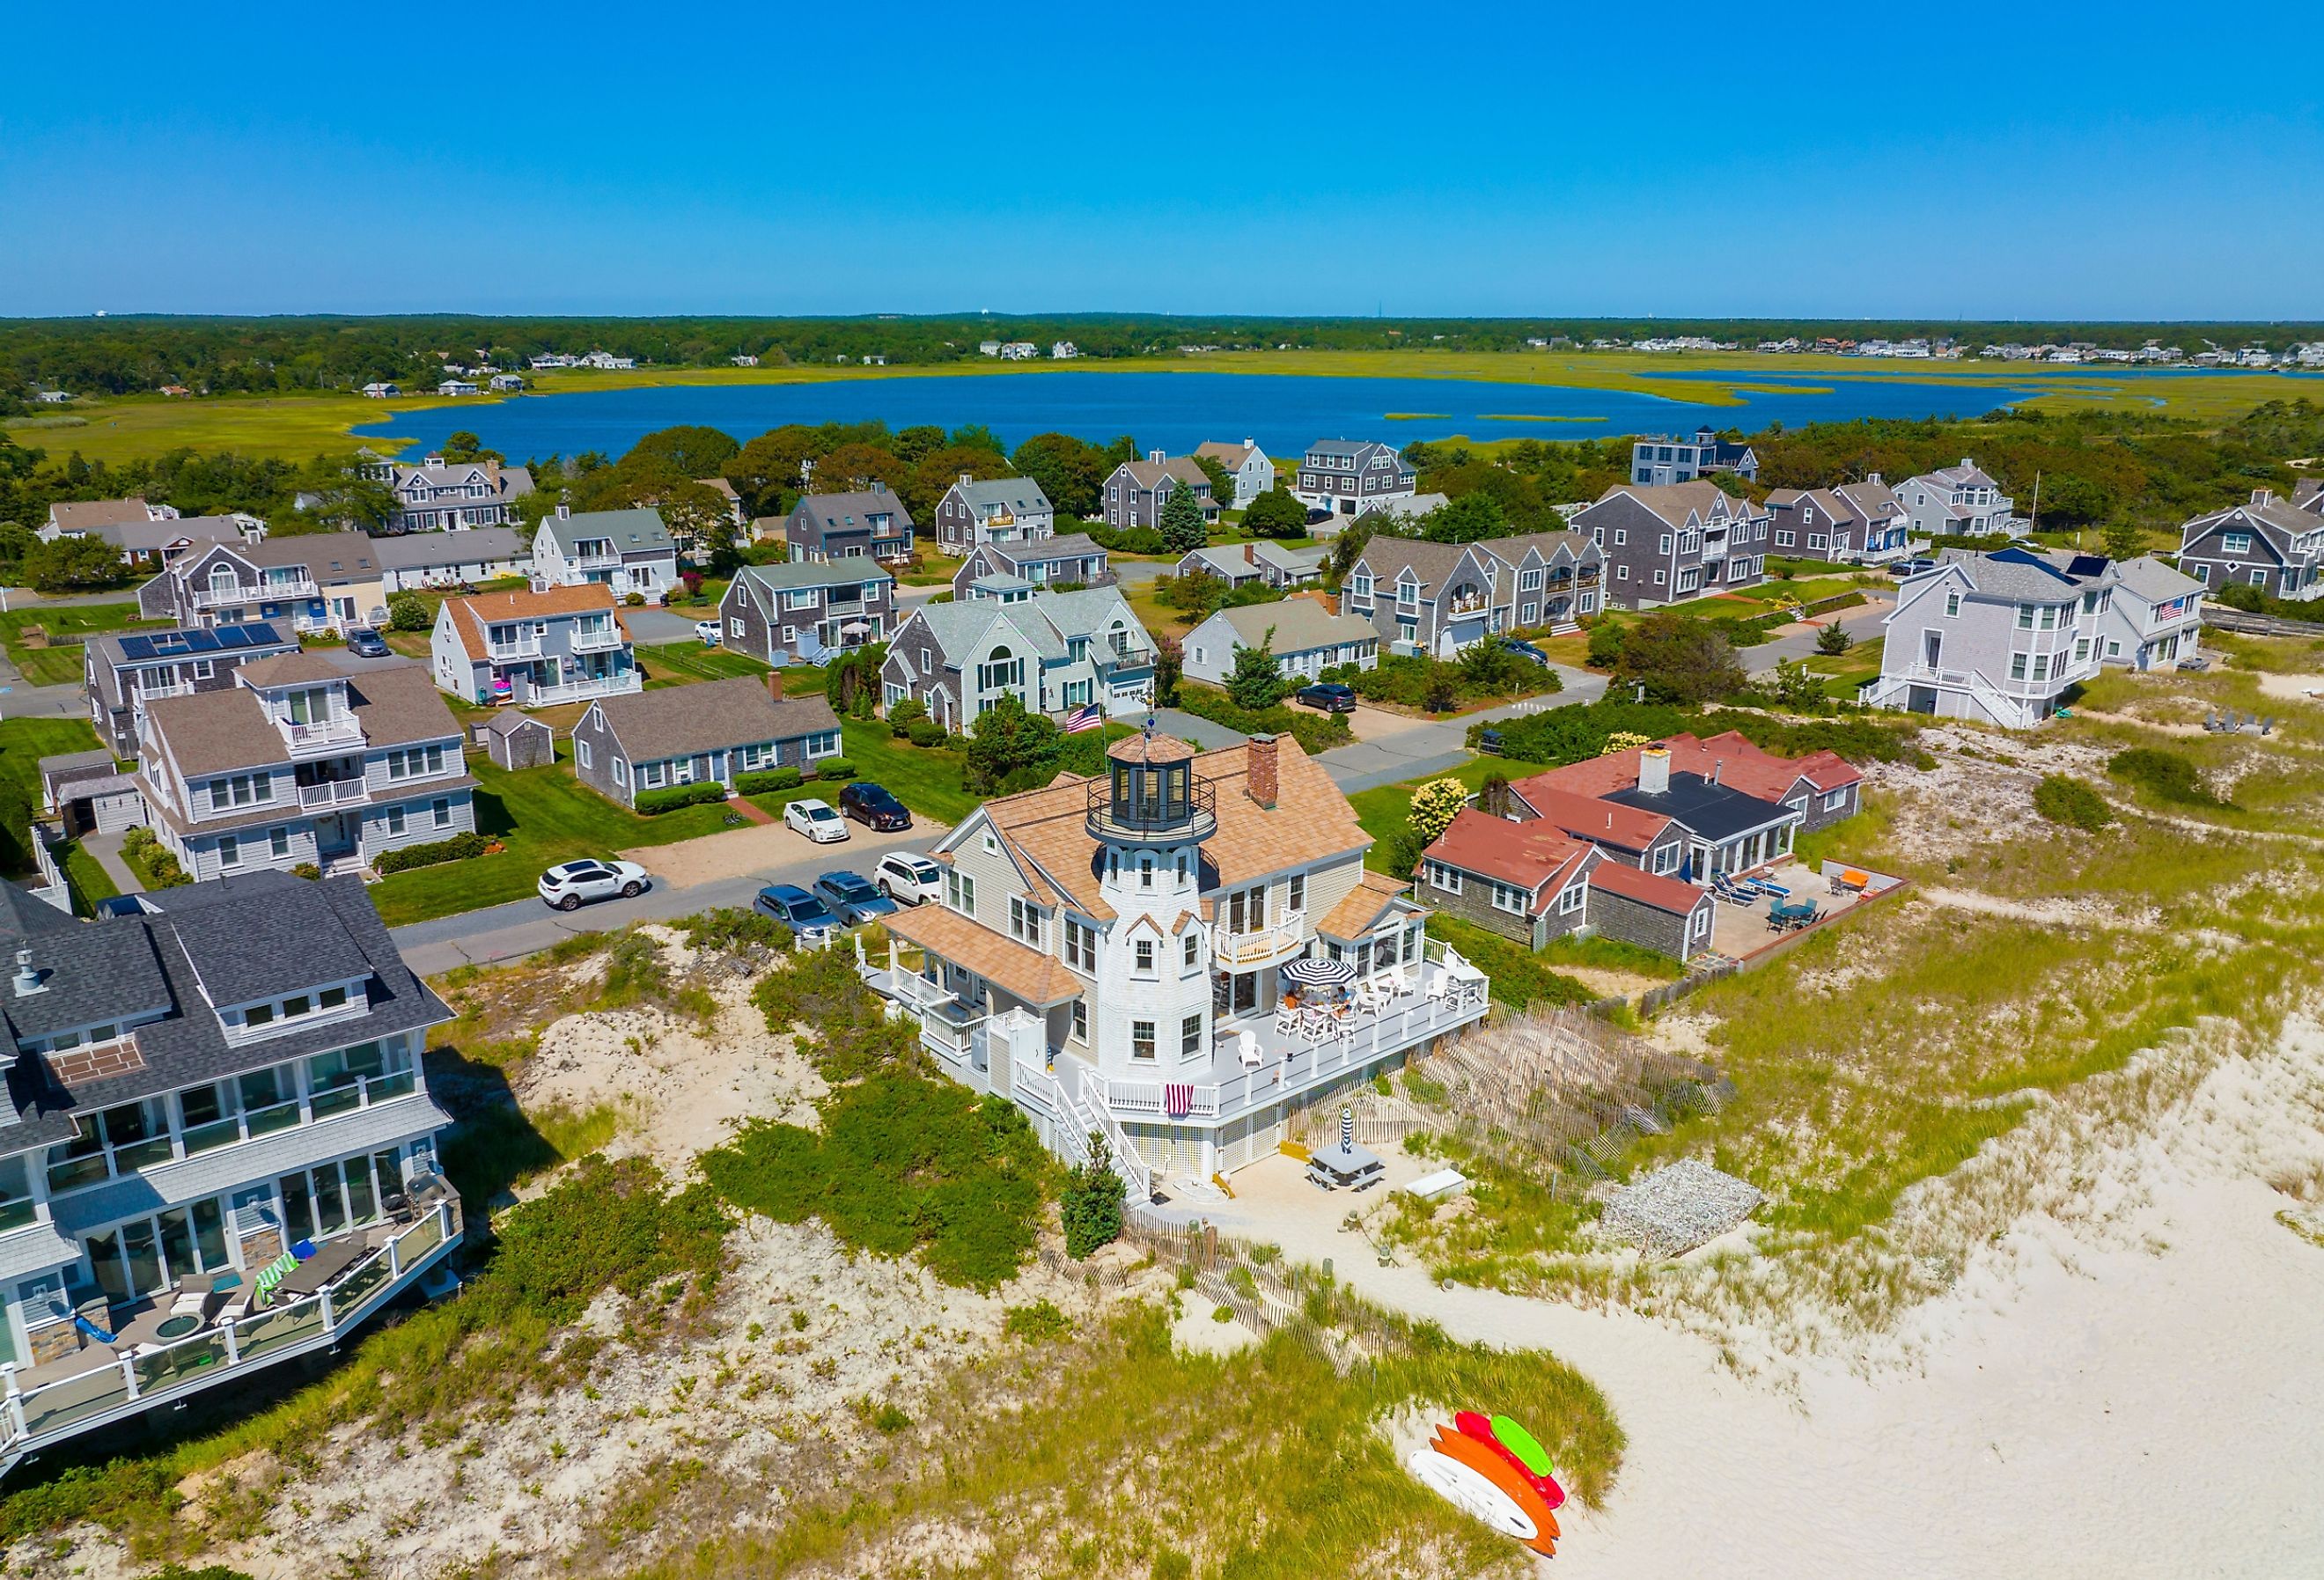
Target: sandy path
point(2145, 1404)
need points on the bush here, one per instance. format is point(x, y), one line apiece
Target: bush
point(2070, 801)
point(2168, 774)
point(835, 768)
point(1090, 1208)
point(768, 781)
point(153, 863)
point(307, 870)
point(1314, 732)
point(408, 612)
point(1605, 645)
point(1833, 640)
point(653, 802)
point(902, 716)
point(730, 927)
point(1132, 540)
point(635, 601)
point(460, 847)
point(927, 732)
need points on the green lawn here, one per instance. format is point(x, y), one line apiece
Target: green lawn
point(89, 882)
point(1382, 812)
point(926, 780)
point(1806, 591)
point(678, 662)
point(1850, 670)
point(61, 664)
point(23, 741)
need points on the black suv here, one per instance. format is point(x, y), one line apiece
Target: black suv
point(870, 804)
point(1329, 696)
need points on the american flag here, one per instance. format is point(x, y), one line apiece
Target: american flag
point(1083, 718)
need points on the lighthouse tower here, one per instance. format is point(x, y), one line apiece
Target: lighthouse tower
point(1150, 816)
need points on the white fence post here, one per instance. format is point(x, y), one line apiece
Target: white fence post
point(233, 1341)
point(129, 1374)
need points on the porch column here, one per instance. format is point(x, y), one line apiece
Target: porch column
point(233, 1341)
point(16, 1399)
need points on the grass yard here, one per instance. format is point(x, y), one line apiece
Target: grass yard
point(935, 571)
point(677, 663)
point(23, 741)
point(61, 664)
point(1845, 672)
point(1806, 591)
point(926, 780)
point(1383, 810)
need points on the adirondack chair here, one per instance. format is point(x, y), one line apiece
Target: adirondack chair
point(2267, 725)
point(2211, 720)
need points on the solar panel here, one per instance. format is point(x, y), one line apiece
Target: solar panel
point(137, 647)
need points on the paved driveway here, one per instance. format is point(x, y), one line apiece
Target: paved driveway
point(1862, 623)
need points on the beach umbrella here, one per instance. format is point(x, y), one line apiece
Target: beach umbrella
point(1319, 972)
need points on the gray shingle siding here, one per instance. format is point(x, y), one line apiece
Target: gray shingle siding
point(1617, 916)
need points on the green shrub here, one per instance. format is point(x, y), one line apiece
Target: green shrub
point(1090, 1207)
point(2070, 801)
point(460, 847)
point(835, 768)
point(151, 861)
point(768, 781)
point(927, 732)
point(408, 612)
point(1314, 732)
point(730, 927)
point(636, 971)
point(902, 716)
point(1036, 1323)
point(307, 870)
point(1605, 645)
point(653, 802)
point(2171, 775)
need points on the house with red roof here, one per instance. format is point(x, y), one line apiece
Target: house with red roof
point(1531, 882)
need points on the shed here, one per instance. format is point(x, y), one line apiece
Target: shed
point(517, 740)
point(90, 794)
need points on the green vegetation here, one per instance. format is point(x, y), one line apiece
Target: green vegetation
point(23, 741)
point(675, 661)
point(1520, 977)
point(652, 803)
point(155, 866)
point(1386, 810)
point(1089, 1205)
point(1316, 733)
point(1569, 735)
point(2169, 776)
point(59, 664)
point(460, 847)
point(1607, 954)
point(2071, 802)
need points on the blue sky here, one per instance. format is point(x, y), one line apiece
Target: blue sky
point(1972, 161)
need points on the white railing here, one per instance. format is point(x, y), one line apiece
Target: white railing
point(151, 692)
point(526, 648)
point(2011, 711)
point(332, 792)
point(320, 737)
point(1262, 944)
point(585, 641)
point(1137, 1178)
point(209, 598)
point(130, 1383)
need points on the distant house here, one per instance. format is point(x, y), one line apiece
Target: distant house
point(1857, 523)
point(436, 560)
point(1959, 502)
point(997, 510)
point(1134, 495)
point(1668, 543)
point(1660, 458)
point(1064, 351)
point(533, 649)
point(438, 495)
point(1437, 598)
point(508, 381)
point(300, 762)
point(1054, 652)
point(726, 491)
point(1997, 637)
point(606, 361)
point(1254, 474)
point(456, 387)
point(1347, 477)
point(78, 517)
point(1240, 564)
point(122, 672)
point(988, 348)
point(2155, 617)
point(2264, 542)
point(148, 536)
point(1305, 638)
point(1019, 351)
point(868, 523)
point(1074, 560)
point(626, 551)
point(807, 610)
point(707, 734)
point(380, 391)
point(744, 360)
point(321, 581)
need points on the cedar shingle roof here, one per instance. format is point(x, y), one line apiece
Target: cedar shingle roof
point(685, 721)
point(1350, 921)
point(1646, 888)
point(1025, 972)
point(1523, 853)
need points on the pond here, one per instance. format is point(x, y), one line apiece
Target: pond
point(1174, 410)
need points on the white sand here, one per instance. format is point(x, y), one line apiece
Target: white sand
point(2136, 1393)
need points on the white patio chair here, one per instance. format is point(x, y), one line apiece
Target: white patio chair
point(1246, 1050)
point(1287, 1019)
point(1398, 982)
point(1314, 1024)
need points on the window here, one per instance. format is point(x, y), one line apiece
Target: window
point(278, 842)
point(1190, 1037)
point(1509, 899)
point(439, 810)
point(2234, 542)
point(1666, 859)
point(651, 774)
point(1141, 1041)
point(582, 755)
point(1081, 1020)
point(1663, 544)
point(2025, 616)
point(1024, 921)
point(2017, 666)
point(1621, 573)
point(1833, 801)
point(2049, 616)
point(1529, 581)
point(621, 773)
point(2259, 579)
point(1081, 945)
point(1528, 614)
point(229, 852)
point(1621, 536)
point(2082, 650)
point(1952, 602)
point(241, 790)
point(1144, 949)
point(1294, 891)
point(395, 819)
point(1784, 539)
point(1146, 870)
point(1190, 950)
point(1569, 898)
point(1659, 578)
point(2114, 648)
point(1440, 876)
point(959, 892)
point(414, 762)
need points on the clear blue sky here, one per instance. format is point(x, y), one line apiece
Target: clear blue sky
point(2123, 160)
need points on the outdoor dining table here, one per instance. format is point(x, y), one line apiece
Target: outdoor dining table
point(330, 1261)
point(1791, 912)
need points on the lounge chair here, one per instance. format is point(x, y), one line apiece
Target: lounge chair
point(1246, 1050)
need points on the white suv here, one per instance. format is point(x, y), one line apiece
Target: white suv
point(908, 879)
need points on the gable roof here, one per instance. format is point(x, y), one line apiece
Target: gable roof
point(420, 550)
point(398, 704)
point(1069, 546)
point(325, 554)
point(793, 575)
point(1664, 893)
point(1354, 917)
point(1046, 622)
point(1526, 855)
point(1231, 456)
point(472, 614)
point(685, 721)
point(81, 516)
point(2149, 578)
point(1677, 504)
point(1018, 495)
point(1586, 817)
point(839, 512)
point(1731, 756)
point(216, 732)
point(1299, 624)
point(1147, 475)
point(2026, 578)
point(637, 531)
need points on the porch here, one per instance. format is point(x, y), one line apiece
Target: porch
point(1738, 930)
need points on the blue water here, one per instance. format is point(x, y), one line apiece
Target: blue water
point(1172, 410)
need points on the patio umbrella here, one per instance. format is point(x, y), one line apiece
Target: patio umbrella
point(1319, 972)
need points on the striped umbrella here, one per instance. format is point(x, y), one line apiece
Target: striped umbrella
point(1313, 972)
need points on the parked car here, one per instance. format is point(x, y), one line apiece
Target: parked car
point(1905, 568)
point(809, 919)
point(1329, 696)
point(1525, 651)
point(567, 886)
point(815, 819)
point(872, 804)
point(365, 643)
point(852, 897)
point(911, 879)
point(705, 631)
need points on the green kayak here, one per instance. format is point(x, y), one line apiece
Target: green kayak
point(1521, 1443)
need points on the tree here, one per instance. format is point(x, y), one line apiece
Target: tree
point(73, 565)
point(1182, 520)
point(1006, 740)
point(1434, 805)
point(940, 468)
point(1276, 514)
point(1488, 669)
point(859, 465)
point(1090, 1207)
point(1169, 664)
point(2123, 541)
point(1256, 683)
point(1605, 645)
point(461, 445)
point(767, 467)
point(1679, 659)
point(408, 611)
point(1797, 686)
point(691, 449)
point(1070, 472)
point(1347, 548)
point(1833, 640)
point(697, 515)
point(1223, 482)
point(920, 439)
point(1465, 519)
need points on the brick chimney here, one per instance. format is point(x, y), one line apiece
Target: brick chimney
point(1262, 758)
point(1250, 554)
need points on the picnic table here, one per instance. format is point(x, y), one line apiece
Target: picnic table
point(330, 1259)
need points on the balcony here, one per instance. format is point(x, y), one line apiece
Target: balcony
point(260, 592)
point(514, 652)
point(334, 792)
point(1263, 945)
point(1465, 603)
point(100, 1383)
point(1134, 820)
point(325, 736)
point(586, 641)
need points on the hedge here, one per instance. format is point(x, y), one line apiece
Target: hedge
point(927, 732)
point(1314, 732)
point(835, 768)
point(653, 802)
point(767, 780)
point(460, 847)
point(1837, 601)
